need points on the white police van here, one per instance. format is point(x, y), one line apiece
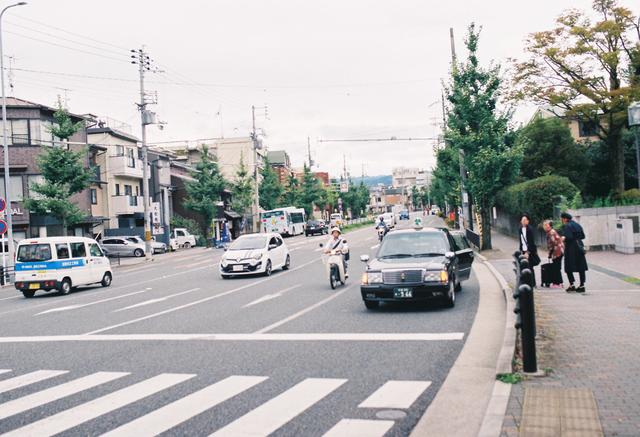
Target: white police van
point(60, 263)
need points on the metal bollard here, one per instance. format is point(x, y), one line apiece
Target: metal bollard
point(527, 330)
point(526, 277)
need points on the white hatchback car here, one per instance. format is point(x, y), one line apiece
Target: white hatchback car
point(255, 254)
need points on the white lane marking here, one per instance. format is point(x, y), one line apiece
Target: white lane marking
point(75, 416)
point(375, 246)
point(302, 312)
point(152, 301)
point(357, 336)
point(278, 411)
point(43, 397)
point(360, 428)
point(396, 394)
point(267, 297)
point(5, 371)
point(206, 299)
point(185, 408)
point(28, 379)
point(95, 302)
point(12, 297)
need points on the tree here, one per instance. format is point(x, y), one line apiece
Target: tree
point(64, 174)
point(291, 195)
point(311, 191)
point(242, 189)
point(270, 188)
point(475, 126)
point(445, 184)
point(205, 191)
point(549, 148)
point(587, 69)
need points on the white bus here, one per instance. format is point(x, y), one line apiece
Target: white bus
point(285, 221)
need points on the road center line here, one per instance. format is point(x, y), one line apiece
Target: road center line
point(156, 300)
point(303, 312)
point(206, 299)
point(267, 297)
point(83, 305)
point(329, 336)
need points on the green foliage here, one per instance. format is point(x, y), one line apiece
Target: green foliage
point(356, 199)
point(589, 68)
point(292, 193)
point(64, 175)
point(445, 185)
point(270, 189)
point(191, 225)
point(509, 378)
point(475, 126)
point(630, 197)
point(206, 189)
point(311, 191)
point(536, 197)
point(242, 190)
point(549, 148)
point(63, 127)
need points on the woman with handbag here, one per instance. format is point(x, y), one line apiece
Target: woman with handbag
point(555, 245)
point(574, 252)
point(528, 245)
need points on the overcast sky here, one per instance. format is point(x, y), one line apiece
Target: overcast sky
point(329, 69)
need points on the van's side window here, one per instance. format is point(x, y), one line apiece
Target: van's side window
point(78, 250)
point(62, 250)
point(94, 250)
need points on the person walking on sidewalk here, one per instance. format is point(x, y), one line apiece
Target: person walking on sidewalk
point(555, 245)
point(574, 253)
point(528, 244)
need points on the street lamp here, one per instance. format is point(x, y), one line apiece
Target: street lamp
point(5, 146)
point(634, 121)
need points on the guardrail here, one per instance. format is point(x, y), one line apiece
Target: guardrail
point(526, 312)
point(7, 275)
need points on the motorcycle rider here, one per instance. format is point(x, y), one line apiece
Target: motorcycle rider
point(383, 225)
point(336, 242)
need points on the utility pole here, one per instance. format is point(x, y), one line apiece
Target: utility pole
point(311, 163)
point(256, 145)
point(146, 117)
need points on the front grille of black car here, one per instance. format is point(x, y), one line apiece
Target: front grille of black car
point(402, 277)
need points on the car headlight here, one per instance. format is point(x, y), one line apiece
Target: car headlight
point(223, 262)
point(441, 276)
point(371, 278)
point(257, 256)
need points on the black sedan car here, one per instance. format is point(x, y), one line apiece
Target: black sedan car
point(316, 227)
point(414, 265)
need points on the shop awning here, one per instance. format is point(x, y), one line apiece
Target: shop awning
point(232, 215)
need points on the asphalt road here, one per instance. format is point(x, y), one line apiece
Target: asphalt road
point(171, 348)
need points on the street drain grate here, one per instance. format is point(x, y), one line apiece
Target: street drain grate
point(391, 414)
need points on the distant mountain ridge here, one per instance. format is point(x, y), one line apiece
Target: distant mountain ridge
point(371, 181)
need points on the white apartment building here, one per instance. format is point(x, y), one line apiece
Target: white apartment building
point(405, 177)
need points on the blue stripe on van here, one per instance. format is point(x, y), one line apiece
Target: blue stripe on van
point(49, 265)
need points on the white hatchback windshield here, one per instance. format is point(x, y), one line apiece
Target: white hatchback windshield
point(249, 243)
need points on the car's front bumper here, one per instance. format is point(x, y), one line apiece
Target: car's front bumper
point(420, 292)
point(247, 269)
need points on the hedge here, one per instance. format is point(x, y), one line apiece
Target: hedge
point(536, 196)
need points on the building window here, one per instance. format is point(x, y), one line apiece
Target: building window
point(37, 179)
point(15, 190)
point(587, 128)
point(131, 160)
point(94, 196)
point(19, 131)
point(127, 190)
point(119, 150)
point(117, 189)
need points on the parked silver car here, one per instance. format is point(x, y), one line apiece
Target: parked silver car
point(122, 246)
point(156, 246)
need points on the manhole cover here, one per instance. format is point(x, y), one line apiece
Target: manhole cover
point(391, 414)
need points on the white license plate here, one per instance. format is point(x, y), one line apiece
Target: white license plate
point(238, 268)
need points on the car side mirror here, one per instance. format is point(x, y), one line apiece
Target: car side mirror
point(450, 255)
point(364, 258)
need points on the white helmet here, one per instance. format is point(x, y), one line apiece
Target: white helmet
point(334, 229)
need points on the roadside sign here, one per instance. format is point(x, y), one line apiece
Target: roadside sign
point(344, 187)
point(3, 227)
point(3, 204)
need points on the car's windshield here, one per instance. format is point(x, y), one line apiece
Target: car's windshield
point(270, 214)
point(249, 243)
point(412, 244)
point(34, 253)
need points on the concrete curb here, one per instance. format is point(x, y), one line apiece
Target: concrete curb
point(470, 385)
point(496, 410)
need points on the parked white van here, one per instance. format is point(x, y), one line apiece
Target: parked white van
point(60, 263)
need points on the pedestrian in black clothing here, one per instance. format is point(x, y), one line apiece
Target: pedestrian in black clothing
point(528, 245)
point(574, 253)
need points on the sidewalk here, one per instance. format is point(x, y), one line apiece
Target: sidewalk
point(587, 344)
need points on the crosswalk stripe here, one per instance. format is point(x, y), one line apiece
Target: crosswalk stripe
point(28, 379)
point(43, 397)
point(396, 394)
point(360, 428)
point(82, 413)
point(278, 411)
point(183, 409)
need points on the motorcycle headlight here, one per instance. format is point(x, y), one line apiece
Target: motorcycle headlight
point(372, 278)
point(441, 276)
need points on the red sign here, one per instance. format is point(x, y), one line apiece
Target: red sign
point(3, 227)
point(3, 204)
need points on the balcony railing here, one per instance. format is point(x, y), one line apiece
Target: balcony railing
point(127, 204)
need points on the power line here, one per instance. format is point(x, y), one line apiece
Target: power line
point(362, 140)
